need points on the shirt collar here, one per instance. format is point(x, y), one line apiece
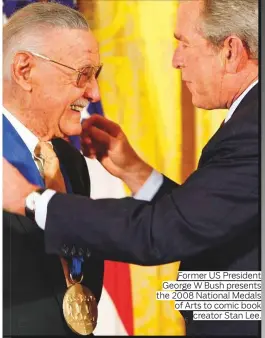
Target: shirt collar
point(238, 100)
point(27, 136)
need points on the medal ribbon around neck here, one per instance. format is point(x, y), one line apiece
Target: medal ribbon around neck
point(79, 304)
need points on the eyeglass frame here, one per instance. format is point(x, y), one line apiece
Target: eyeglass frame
point(79, 71)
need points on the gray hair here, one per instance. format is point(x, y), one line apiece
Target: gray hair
point(222, 18)
point(25, 28)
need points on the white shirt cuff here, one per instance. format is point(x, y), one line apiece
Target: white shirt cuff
point(150, 187)
point(41, 207)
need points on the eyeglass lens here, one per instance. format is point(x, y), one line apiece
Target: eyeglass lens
point(86, 75)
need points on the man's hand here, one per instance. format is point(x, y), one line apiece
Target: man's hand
point(15, 189)
point(104, 140)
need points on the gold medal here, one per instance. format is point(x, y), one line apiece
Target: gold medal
point(80, 309)
point(79, 305)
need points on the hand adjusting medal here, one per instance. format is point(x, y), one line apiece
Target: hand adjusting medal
point(79, 303)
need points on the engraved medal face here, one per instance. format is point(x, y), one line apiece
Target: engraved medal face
point(80, 309)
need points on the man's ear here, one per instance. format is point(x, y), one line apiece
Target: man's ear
point(234, 55)
point(22, 70)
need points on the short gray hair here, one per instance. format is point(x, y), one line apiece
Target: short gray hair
point(24, 29)
point(222, 18)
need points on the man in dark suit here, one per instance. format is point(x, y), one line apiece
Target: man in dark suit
point(211, 221)
point(34, 283)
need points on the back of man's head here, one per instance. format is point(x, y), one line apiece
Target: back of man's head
point(222, 18)
point(26, 28)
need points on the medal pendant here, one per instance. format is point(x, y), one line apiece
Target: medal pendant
point(80, 309)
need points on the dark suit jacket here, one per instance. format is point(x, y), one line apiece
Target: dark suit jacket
point(33, 282)
point(211, 222)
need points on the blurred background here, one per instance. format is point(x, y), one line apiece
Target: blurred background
point(143, 93)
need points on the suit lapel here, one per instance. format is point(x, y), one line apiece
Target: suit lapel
point(71, 167)
point(210, 148)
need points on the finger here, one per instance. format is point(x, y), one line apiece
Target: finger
point(7, 167)
point(89, 152)
point(102, 123)
point(86, 139)
point(96, 135)
point(5, 163)
point(92, 149)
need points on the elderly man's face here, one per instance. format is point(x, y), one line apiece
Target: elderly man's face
point(57, 98)
point(201, 65)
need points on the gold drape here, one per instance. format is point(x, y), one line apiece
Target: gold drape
point(144, 94)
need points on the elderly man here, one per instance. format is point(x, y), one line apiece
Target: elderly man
point(211, 222)
point(51, 62)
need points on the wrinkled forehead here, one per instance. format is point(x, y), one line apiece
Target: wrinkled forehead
point(72, 44)
point(189, 16)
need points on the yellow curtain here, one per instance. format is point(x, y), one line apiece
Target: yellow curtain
point(144, 94)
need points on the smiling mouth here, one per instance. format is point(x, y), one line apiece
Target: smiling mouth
point(77, 108)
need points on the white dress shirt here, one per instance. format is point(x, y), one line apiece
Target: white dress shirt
point(148, 189)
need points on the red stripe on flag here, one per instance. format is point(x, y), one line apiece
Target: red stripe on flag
point(117, 282)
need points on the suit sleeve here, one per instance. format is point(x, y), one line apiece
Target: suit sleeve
point(166, 188)
point(217, 203)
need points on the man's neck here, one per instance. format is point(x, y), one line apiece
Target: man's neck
point(25, 134)
point(242, 85)
point(242, 89)
point(30, 121)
